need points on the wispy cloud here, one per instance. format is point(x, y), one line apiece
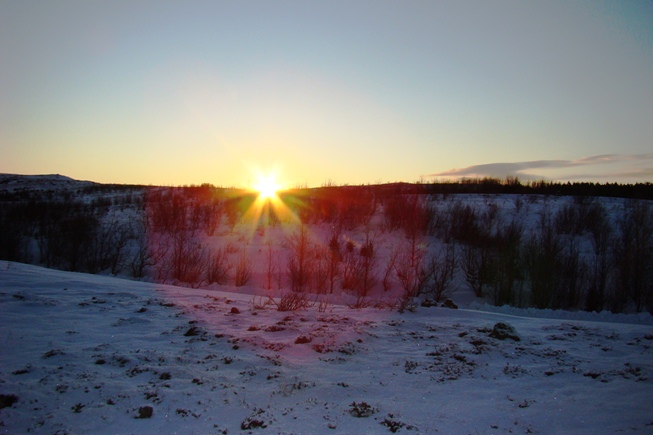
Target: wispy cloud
point(609, 167)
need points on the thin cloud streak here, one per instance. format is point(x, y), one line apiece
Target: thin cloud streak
point(615, 167)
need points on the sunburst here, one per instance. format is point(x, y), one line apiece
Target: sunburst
point(268, 207)
point(267, 187)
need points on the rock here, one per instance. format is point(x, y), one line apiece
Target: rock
point(302, 339)
point(448, 303)
point(235, 310)
point(192, 332)
point(7, 400)
point(145, 412)
point(501, 331)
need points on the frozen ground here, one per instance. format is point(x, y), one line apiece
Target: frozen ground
point(91, 354)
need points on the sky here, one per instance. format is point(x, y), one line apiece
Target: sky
point(172, 93)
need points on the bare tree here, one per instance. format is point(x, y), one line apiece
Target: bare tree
point(232, 212)
point(438, 274)
point(508, 271)
point(367, 266)
point(108, 245)
point(300, 263)
point(321, 263)
point(335, 257)
point(389, 270)
point(196, 215)
point(188, 259)
point(271, 267)
point(634, 257)
point(350, 266)
point(476, 264)
point(599, 268)
point(243, 270)
point(417, 221)
point(151, 248)
point(464, 225)
point(409, 269)
point(218, 267)
point(541, 257)
point(212, 215)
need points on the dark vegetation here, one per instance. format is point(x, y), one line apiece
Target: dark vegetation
point(579, 256)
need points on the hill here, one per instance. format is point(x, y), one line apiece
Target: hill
point(87, 353)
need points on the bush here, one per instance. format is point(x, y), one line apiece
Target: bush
point(218, 267)
point(301, 264)
point(361, 409)
point(243, 270)
point(292, 302)
point(438, 274)
point(188, 259)
point(477, 266)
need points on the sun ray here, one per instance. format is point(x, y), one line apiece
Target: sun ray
point(267, 207)
point(267, 186)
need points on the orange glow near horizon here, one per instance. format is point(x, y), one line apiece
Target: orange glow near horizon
point(268, 208)
point(267, 186)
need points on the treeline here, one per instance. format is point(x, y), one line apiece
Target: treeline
point(70, 225)
point(512, 185)
point(579, 255)
point(180, 222)
point(65, 234)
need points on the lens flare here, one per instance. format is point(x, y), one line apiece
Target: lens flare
point(267, 187)
point(268, 207)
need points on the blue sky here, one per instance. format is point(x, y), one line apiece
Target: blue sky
point(348, 92)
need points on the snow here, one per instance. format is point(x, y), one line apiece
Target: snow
point(14, 182)
point(84, 353)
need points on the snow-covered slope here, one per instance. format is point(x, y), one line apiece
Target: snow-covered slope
point(13, 182)
point(92, 354)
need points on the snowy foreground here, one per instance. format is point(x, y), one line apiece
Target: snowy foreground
point(92, 354)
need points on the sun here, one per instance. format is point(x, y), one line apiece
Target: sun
point(268, 207)
point(267, 187)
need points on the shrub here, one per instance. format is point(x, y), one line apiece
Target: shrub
point(508, 270)
point(300, 262)
point(188, 259)
point(477, 266)
point(361, 409)
point(350, 267)
point(334, 259)
point(292, 302)
point(438, 274)
point(541, 256)
point(463, 223)
point(634, 257)
point(243, 270)
point(389, 269)
point(367, 267)
point(218, 267)
point(271, 267)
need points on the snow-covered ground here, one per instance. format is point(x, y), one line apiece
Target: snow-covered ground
point(12, 183)
point(95, 354)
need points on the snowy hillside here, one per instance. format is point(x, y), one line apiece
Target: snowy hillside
point(93, 354)
point(12, 182)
